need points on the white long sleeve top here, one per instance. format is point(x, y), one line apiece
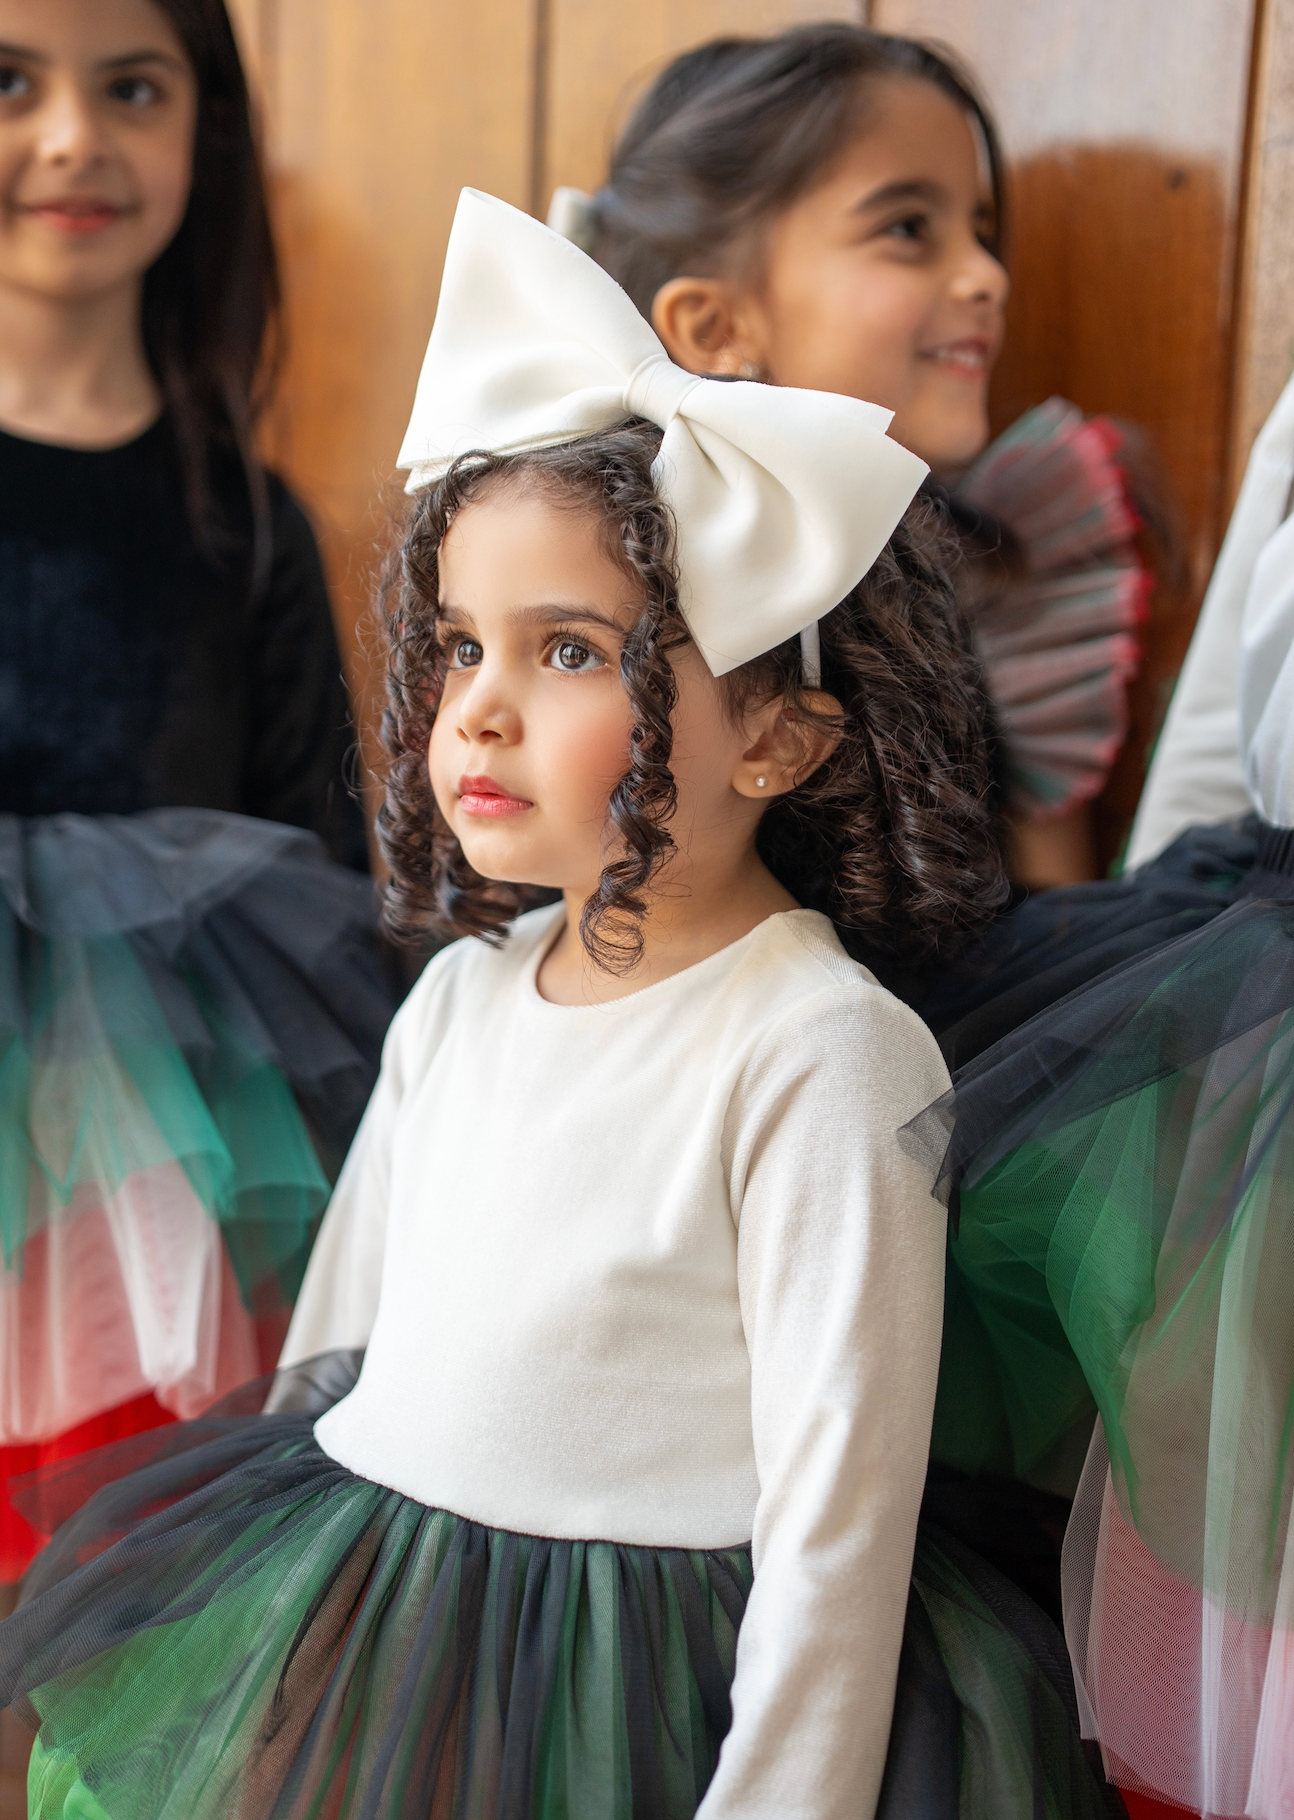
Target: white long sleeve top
point(1267, 681)
point(1198, 771)
point(660, 1272)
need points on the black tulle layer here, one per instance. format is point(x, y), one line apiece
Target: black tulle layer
point(245, 1627)
point(1056, 941)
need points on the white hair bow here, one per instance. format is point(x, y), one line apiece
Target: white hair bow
point(782, 499)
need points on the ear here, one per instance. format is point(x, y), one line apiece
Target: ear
point(787, 748)
point(696, 318)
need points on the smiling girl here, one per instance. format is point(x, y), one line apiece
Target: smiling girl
point(824, 209)
point(191, 1004)
point(618, 1519)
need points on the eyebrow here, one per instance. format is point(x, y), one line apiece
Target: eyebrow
point(23, 53)
point(904, 189)
point(540, 615)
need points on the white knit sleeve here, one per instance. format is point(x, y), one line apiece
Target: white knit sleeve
point(1267, 681)
point(338, 1301)
point(1197, 773)
point(840, 1266)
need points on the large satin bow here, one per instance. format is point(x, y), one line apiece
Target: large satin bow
point(782, 499)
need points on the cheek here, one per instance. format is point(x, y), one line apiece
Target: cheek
point(583, 751)
point(855, 329)
point(164, 173)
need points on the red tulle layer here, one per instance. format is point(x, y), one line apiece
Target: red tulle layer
point(19, 1542)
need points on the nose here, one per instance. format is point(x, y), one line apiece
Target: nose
point(980, 277)
point(486, 711)
point(71, 136)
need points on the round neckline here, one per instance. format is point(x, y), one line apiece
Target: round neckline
point(544, 946)
point(72, 448)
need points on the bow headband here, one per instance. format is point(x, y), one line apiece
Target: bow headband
point(782, 500)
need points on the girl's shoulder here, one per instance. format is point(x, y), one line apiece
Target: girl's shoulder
point(469, 972)
point(805, 992)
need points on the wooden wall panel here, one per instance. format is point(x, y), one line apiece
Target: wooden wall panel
point(378, 114)
point(1124, 126)
point(598, 56)
point(1265, 315)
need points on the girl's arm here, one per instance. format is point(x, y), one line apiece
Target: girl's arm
point(840, 1264)
point(338, 1301)
point(301, 732)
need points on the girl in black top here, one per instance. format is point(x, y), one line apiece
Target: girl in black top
point(191, 995)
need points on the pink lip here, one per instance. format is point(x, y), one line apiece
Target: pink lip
point(76, 214)
point(482, 796)
point(968, 356)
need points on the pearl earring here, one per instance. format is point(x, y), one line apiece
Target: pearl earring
point(761, 781)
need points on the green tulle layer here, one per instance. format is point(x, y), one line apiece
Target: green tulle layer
point(95, 1088)
point(374, 1653)
point(275, 1637)
point(1136, 1259)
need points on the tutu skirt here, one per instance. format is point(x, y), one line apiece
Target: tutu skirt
point(192, 1006)
point(1123, 1167)
point(1056, 941)
point(244, 1628)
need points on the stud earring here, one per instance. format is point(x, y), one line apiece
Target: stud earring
point(761, 781)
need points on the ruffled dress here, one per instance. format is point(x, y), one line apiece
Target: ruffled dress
point(192, 990)
point(1059, 637)
point(252, 1624)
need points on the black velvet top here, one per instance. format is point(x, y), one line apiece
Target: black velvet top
point(136, 673)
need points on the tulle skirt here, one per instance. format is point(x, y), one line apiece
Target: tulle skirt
point(1055, 941)
point(245, 1628)
point(191, 1012)
point(1123, 1176)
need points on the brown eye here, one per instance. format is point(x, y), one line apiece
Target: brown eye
point(465, 654)
point(135, 91)
point(572, 657)
point(12, 82)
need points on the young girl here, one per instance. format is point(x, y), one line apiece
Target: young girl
point(619, 1517)
point(191, 1002)
point(824, 209)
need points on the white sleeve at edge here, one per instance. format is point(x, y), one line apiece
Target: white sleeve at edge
point(1197, 774)
point(840, 1263)
point(338, 1300)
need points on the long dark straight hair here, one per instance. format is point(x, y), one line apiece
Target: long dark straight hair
point(733, 132)
point(211, 300)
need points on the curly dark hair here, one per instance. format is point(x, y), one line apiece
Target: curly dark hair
point(892, 836)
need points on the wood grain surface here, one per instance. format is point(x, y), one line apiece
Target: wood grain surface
point(1264, 356)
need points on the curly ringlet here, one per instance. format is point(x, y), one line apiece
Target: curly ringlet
point(892, 836)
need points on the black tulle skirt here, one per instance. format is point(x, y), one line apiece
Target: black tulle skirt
point(1121, 1173)
point(192, 1008)
point(1055, 942)
point(244, 1628)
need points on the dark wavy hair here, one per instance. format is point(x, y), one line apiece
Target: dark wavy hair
point(212, 298)
point(891, 836)
point(733, 132)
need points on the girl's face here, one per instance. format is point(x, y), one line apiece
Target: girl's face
point(98, 106)
point(876, 283)
point(532, 733)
